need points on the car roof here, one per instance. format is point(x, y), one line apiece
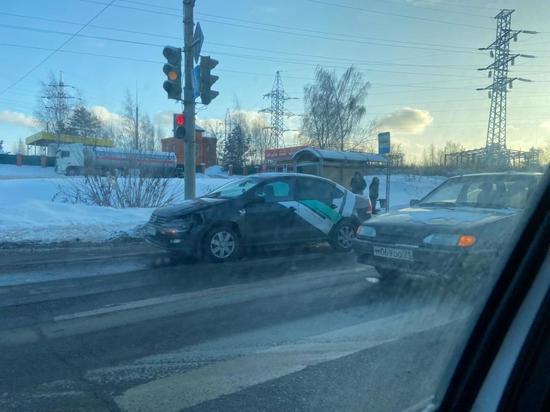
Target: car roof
point(496, 174)
point(270, 175)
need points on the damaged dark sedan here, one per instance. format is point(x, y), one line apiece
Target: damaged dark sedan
point(265, 209)
point(458, 229)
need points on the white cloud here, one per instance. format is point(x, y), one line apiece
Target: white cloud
point(105, 115)
point(545, 125)
point(18, 119)
point(164, 118)
point(405, 120)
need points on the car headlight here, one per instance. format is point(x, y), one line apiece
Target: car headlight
point(366, 231)
point(177, 226)
point(445, 239)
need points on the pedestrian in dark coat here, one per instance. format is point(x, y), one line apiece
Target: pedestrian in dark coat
point(373, 192)
point(358, 184)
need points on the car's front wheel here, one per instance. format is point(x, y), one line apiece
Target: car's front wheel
point(221, 244)
point(342, 236)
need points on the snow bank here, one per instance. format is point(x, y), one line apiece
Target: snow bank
point(215, 171)
point(19, 172)
point(403, 188)
point(28, 214)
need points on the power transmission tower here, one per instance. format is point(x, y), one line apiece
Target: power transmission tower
point(495, 146)
point(277, 112)
point(57, 104)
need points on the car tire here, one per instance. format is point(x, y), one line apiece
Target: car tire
point(221, 244)
point(342, 236)
point(387, 274)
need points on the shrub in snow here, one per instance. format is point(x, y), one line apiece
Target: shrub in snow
point(119, 192)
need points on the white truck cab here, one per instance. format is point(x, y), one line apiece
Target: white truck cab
point(70, 159)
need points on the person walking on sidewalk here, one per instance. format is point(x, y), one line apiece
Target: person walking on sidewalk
point(358, 184)
point(373, 192)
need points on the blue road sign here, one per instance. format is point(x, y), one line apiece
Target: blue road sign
point(196, 81)
point(384, 143)
point(198, 40)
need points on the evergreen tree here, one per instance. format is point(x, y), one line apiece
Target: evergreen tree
point(236, 148)
point(84, 123)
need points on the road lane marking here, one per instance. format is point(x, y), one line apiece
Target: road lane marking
point(193, 387)
point(262, 287)
point(155, 308)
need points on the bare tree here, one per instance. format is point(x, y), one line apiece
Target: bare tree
point(120, 192)
point(54, 106)
point(334, 108)
point(137, 131)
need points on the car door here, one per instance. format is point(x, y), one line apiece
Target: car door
point(316, 211)
point(267, 219)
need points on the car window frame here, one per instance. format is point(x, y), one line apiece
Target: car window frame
point(252, 192)
point(321, 181)
point(514, 278)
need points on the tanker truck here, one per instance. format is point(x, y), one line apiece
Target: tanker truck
point(77, 159)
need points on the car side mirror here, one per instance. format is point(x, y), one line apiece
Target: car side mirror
point(414, 202)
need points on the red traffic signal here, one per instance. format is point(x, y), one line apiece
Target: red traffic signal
point(179, 125)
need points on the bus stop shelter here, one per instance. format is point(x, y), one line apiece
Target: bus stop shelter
point(334, 165)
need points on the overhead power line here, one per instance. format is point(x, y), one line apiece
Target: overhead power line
point(53, 52)
point(392, 14)
point(301, 29)
point(300, 32)
point(163, 36)
point(244, 56)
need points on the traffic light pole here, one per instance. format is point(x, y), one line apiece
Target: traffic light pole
point(189, 100)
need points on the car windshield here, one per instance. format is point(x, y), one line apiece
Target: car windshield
point(260, 205)
point(499, 192)
point(233, 189)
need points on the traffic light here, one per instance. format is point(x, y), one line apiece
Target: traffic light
point(172, 69)
point(207, 79)
point(179, 126)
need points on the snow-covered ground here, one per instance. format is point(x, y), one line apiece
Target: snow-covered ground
point(28, 213)
point(23, 172)
point(403, 188)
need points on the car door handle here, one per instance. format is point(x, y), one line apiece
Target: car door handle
point(333, 206)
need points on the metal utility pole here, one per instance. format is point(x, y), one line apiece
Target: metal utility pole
point(495, 146)
point(189, 100)
point(277, 111)
point(136, 133)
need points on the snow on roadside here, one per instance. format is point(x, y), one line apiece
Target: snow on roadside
point(403, 188)
point(28, 214)
point(24, 172)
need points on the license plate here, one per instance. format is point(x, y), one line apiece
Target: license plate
point(151, 231)
point(393, 253)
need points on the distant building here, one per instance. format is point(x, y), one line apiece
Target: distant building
point(280, 160)
point(205, 149)
point(335, 165)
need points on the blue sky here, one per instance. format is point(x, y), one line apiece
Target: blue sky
point(419, 55)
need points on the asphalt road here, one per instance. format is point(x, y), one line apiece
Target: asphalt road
point(122, 327)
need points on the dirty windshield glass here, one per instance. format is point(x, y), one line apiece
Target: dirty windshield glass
point(259, 205)
point(233, 189)
point(484, 191)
